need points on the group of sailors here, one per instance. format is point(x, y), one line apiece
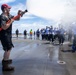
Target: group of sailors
point(51, 34)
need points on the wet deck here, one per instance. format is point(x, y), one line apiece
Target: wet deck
point(36, 57)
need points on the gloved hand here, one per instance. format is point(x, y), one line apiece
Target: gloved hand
point(19, 12)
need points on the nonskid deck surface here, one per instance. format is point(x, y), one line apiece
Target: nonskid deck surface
point(37, 57)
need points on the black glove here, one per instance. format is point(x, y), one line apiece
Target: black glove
point(19, 12)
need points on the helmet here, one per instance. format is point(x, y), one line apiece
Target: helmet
point(5, 6)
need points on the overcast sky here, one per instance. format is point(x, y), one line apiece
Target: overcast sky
point(42, 13)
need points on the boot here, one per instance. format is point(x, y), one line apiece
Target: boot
point(5, 66)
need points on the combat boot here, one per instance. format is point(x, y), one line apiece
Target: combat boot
point(5, 66)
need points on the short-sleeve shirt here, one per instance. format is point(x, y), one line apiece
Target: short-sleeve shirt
point(4, 19)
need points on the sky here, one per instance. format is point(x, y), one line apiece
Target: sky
point(42, 13)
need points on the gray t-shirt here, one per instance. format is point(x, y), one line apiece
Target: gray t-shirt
point(4, 19)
